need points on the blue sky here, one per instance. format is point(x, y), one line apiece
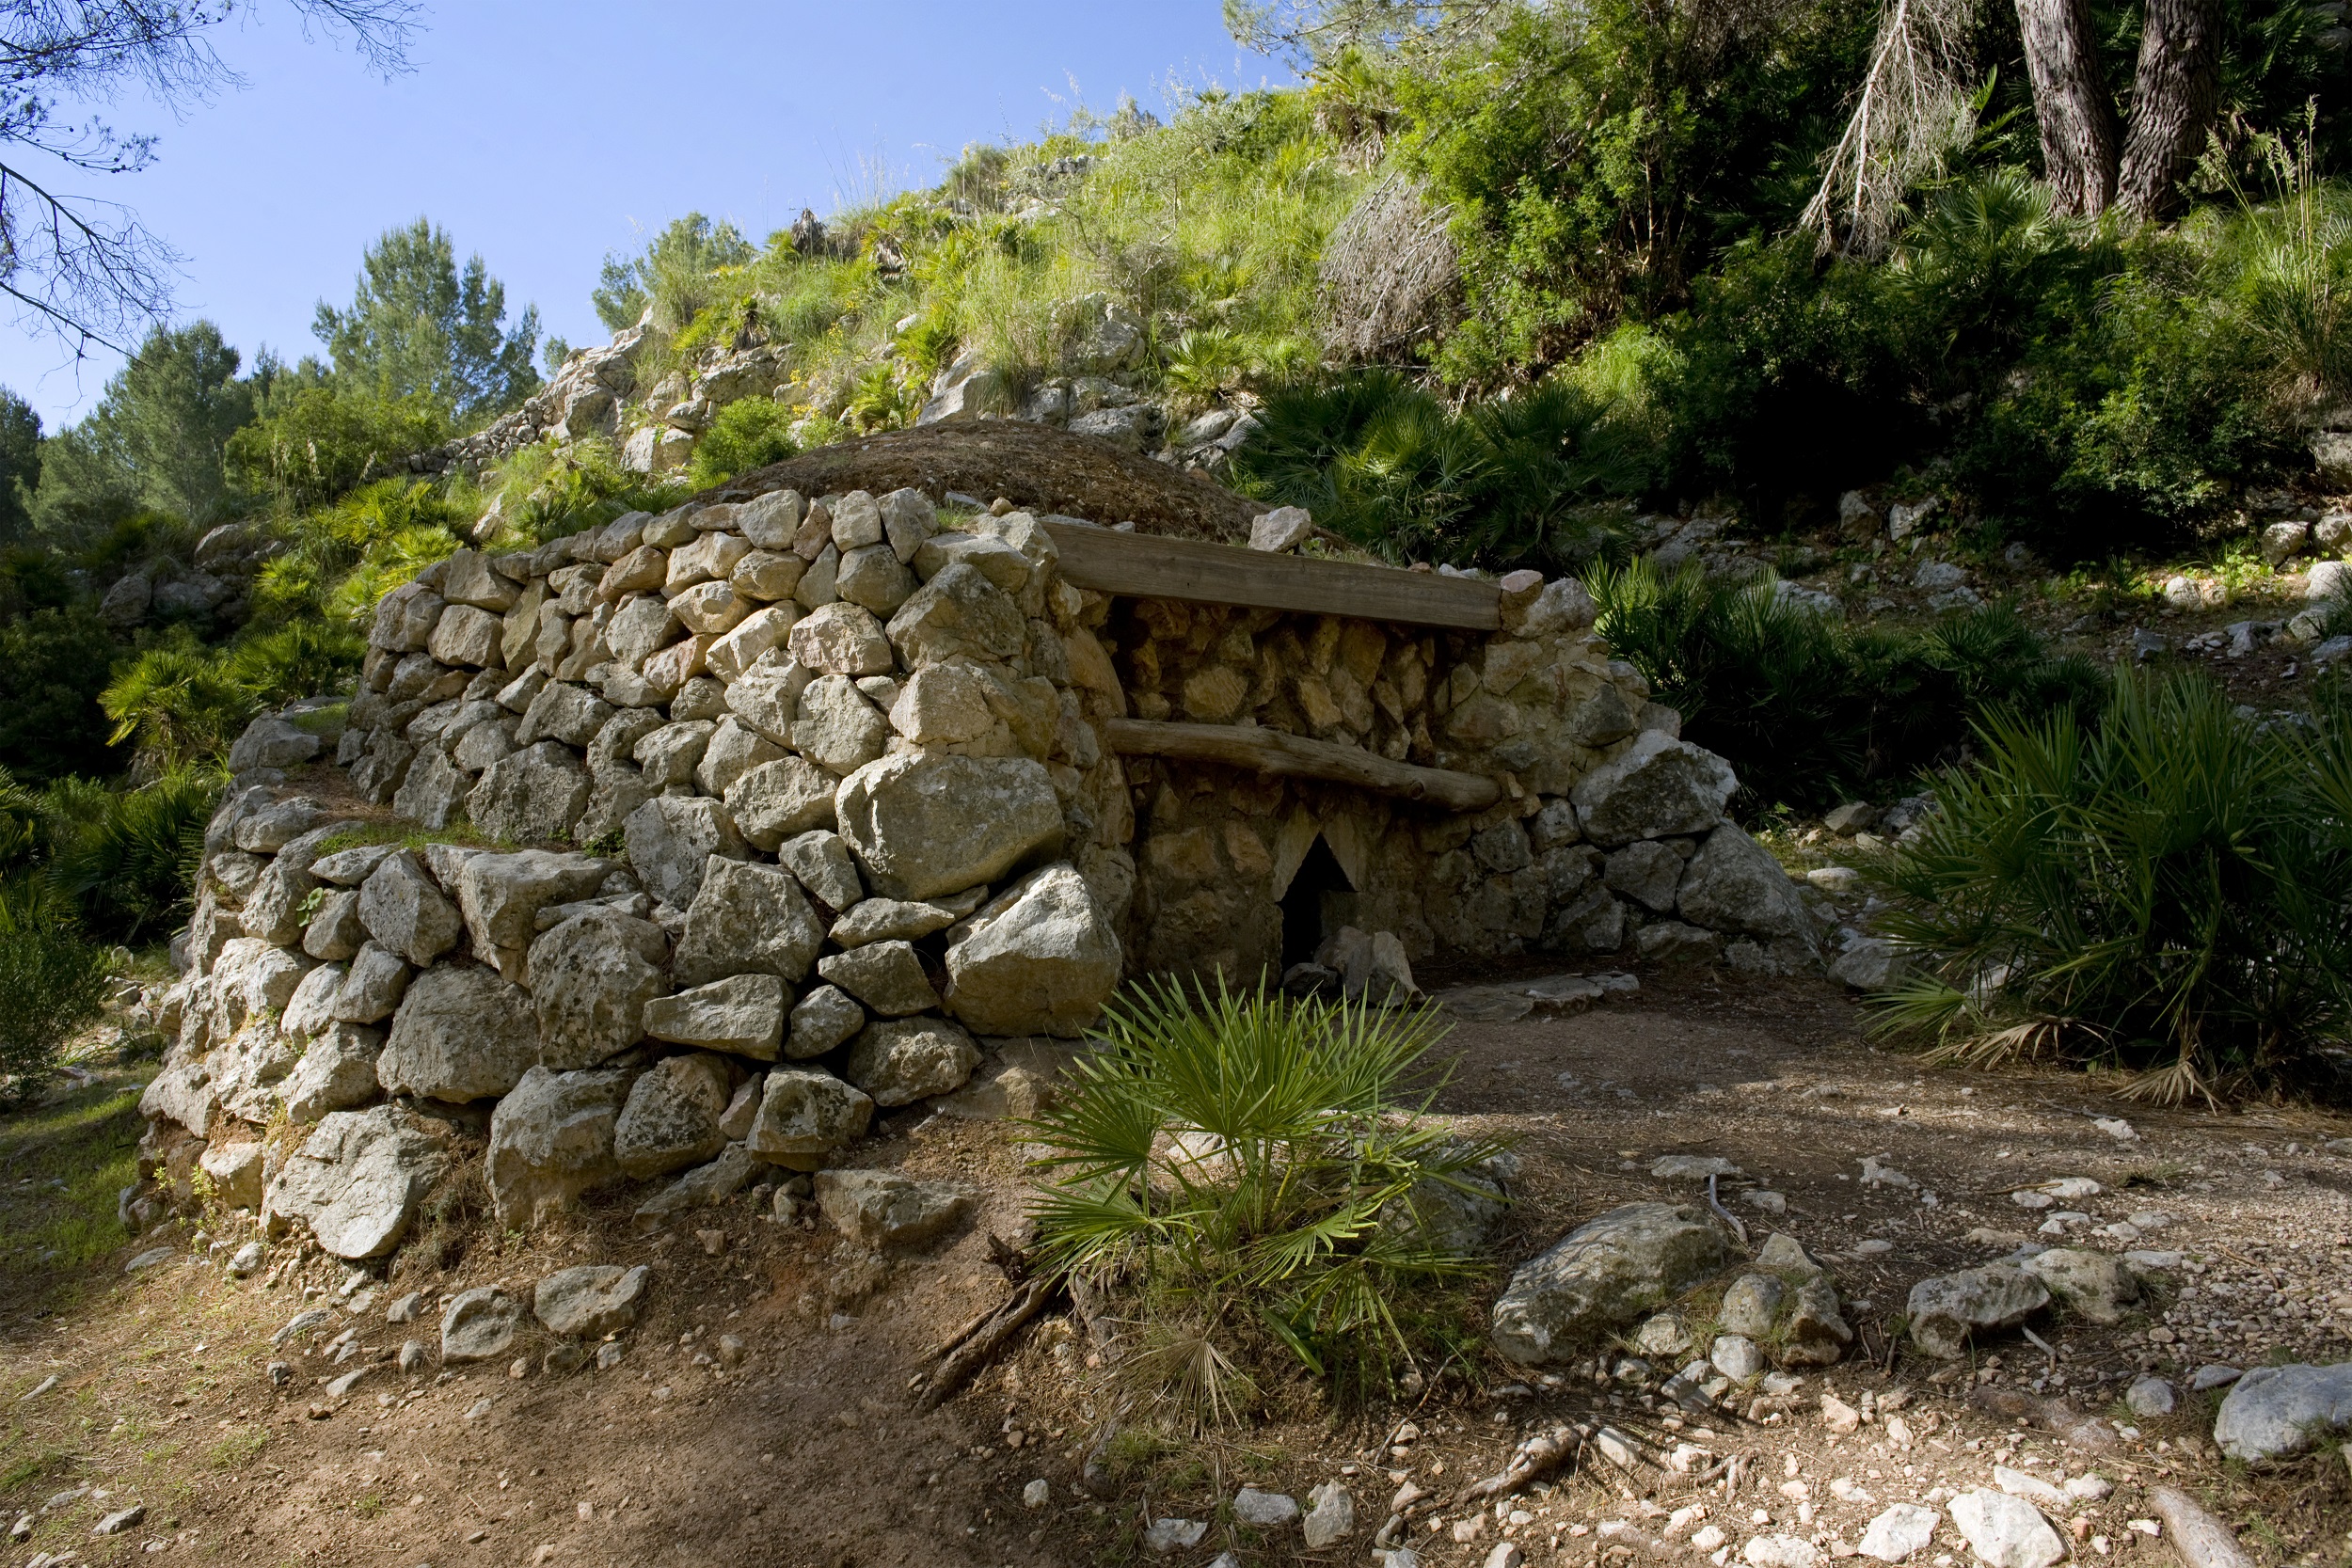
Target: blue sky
point(543, 134)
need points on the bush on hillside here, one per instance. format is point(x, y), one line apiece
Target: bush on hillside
point(1239, 1166)
point(2169, 893)
point(53, 663)
point(746, 436)
point(52, 983)
point(1808, 709)
point(128, 857)
point(1384, 463)
point(316, 438)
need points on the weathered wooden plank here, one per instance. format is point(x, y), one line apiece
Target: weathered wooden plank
point(1295, 756)
point(1150, 566)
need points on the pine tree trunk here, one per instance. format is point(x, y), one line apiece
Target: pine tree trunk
point(2172, 101)
point(2078, 133)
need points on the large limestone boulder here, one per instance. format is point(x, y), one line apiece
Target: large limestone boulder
point(405, 910)
point(531, 795)
point(461, 1034)
point(671, 1118)
point(671, 838)
point(780, 800)
point(840, 638)
point(358, 1180)
point(746, 919)
point(924, 825)
point(838, 729)
point(377, 981)
point(899, 1061)
point(821, 863)
point(1946, 1309)
point(1602, 1275)
point(336, 1073)
point(2276, 1411)
point(1734, 884)
point(733, 751)
point(767, 695)
point(271, 741)
point(500, 897)
point(591, 977)
point(805, 1112)
point(1656, 788)
point(550, 1141)
point(958, 613)
point(887, 977)
point(564, 712)
point(1039, 959)
point(591, 1301)
point(743, 1015)
point(2096, 1286)
point(879, 1209)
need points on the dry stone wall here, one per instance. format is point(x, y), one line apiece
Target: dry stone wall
point(680, 849)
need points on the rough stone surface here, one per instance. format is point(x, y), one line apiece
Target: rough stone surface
point(373, 988)
point(1659, 787)
point(461, 1034)
point(671, 1119)
point(551, 1140)
point(826, 1017)
point(402, 910)
point(2096, 1286)
point(925, 825)
point(670, 841)
point(2275, 1411)
point(838, 729)
point(1902, 1529)
point(882, 1209)
point(2005, 1531)
point(533, 795)
point(742, 1014)
point(591, 977)
point(1039, 959)
point(358, 1180)
point(958, 612)
point(806, 1112)
point(887, 977)
point(1602, 1274)
point(780, 800)
point(821, 863)
point(336, 1073)
point(1734, 884)
point(746, 919)
point(479, 1325)
point(591, 1301)
point(840, 638)
point(900, 1061)
point(1946, 1309)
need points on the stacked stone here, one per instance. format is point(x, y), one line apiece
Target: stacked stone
point(793, 801)
point(1611, 830)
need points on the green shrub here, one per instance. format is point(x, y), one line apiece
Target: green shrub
point(1238, 1165)
point(316, 438)
point(52, 983)
point(1382, 462)
point(1808, 709)
point(2169, 893)
point(545, 492)
point(747, 435)
point(53, 663)
point(179, 701)
point(131, 863)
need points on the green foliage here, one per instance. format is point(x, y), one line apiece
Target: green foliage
point(1384, 463)
point(20, 464)
point(156, 439)
point(1595, 158)
point(1241, 1164)
point(127, 857)
point(674, 275)
point(2169, 893)
point(53, 662)
point(544, 493)
point(315, 435)
point(52, 982)
point(337, 559)
point(1808, 709)
point(749, 434)
point(179, 701)
point(417, 328)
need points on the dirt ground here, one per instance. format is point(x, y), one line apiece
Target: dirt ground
point(760, 1411)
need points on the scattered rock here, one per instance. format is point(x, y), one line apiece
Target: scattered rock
point(2095, 1285)
point(882, 1209)
point(1602, 1274)
point(2276, 1411)
point(479, 1324)
point(1331, 1516)
point(590, 1301)
point(2005, 1531)
point(1946, 1309)
point(1265, 1510)
point(1902, 1529)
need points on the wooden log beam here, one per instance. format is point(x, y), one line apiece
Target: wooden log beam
point(1293, 756)
point(1153, 566)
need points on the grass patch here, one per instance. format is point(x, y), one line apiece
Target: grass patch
point(408, 835)
point(62, 1167)
point(240, 1448)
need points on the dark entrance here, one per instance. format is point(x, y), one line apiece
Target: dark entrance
point(1321, 900)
